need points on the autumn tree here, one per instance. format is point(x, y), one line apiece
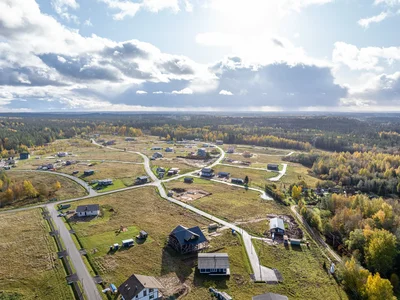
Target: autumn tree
point(1, 185)
point(380, 250)
point(354, 278)
point(29, 189)
point(296, 192)
point(57, 185)
point(378, 288)
point(9, 195)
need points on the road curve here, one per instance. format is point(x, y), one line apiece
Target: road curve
point(281, 173)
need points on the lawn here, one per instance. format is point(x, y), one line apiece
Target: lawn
point(302, 271)
point(144, 210)
point(257, 178)
point(29, 265)
point(229, 202)
point(44, 183)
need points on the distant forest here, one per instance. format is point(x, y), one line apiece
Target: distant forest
point(333, 133)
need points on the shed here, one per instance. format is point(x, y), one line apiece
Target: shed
point(295, 242)
point(88, 172)
point(142, 179)
point(24, 155)
point(188, 180)
point(213, 263)
point(224, 174)
point(277, 226)
point(128, 243)
point(273, 167)
point(237, 181)
point(142, 235)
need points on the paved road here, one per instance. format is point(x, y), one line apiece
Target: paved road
point(89, 286)
point(281, 173)
point(316, 237)
point(244, 167)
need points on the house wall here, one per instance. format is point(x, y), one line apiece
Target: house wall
point(146, 294)
point(88, 213)
point(208, 271)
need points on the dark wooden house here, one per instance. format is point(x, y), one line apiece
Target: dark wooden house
point(186, 240)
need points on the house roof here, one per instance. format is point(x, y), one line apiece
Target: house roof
point(187, 236)
point(136, 283)
point(213, 261)
point(224, 173)
point(270, 296)
point(273, 165)
point(143, 178)
point(276, 223)
point(206, 170)
point(89, 207)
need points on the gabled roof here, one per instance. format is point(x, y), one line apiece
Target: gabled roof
point(188, 236)
point(213, 261)
point(137, 283)
point(276, 223)
point(270, 296)
point(89, 207)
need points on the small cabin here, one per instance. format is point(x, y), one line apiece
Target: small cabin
point(188, 180)
point(213, 263)
point(105, 182)
point(142, 235)
point(277, 226)
point(207, 172)
point(128, 243)
point(202, 152)
point(224, 174)
point(273, 167)
point(169, 149)
point(88, 210)
point(24, 155)
point(237, 181)
point(88, 172)
point(142, 180)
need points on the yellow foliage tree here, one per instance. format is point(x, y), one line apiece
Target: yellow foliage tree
point(57, 185)
point(378, 288)
point(1, 184)
point(9, 194)
point(30, 190)
point(296, 192)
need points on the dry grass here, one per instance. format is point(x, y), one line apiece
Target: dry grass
point(257, 178)
point(29, 264)
point(301, 268)
point(125, 172)
point(69, 189)
point(295, 173)
point(229, 202)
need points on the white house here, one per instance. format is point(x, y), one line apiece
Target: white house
point(213, 263)
point(88, 210)
point(140, 287)
point(62, 154)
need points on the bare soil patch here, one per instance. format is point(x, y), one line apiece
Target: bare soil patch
point(187, 195)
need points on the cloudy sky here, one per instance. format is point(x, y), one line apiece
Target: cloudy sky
point(199, 55)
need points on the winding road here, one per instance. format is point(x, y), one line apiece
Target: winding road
point(261, 273)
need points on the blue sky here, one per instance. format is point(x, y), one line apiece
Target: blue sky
point(175, 55)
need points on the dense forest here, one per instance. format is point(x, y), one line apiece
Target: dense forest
point(367, 172)
point(334, 133)
point(366, 229)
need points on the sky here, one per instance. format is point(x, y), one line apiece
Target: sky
point(199, 55)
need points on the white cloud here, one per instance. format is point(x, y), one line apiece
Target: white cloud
point(225, 93)
point(127, 8)
point(185, 91)
point(368, 58)
point(88, 23)
point(139, 92)
point(188, 5)
point(158, 92)
point(387, 2)
point(62, 7)
point(375, 19)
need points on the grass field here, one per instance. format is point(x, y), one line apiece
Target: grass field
point(123, 175)
point(229, 202)
point(295, 173)
point(69, 189)
point(144, 210)
point(257, 178)
point(302, 271)
point(174, 163)
point(29, 265)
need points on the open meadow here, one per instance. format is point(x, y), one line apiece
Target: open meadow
point(229, 202)
point(29, 267)
point(302, 271)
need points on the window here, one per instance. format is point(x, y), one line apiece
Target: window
point(151, 297)
point(151, 290)
point(144, 293)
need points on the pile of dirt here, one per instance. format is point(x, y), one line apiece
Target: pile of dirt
point(189, 195)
